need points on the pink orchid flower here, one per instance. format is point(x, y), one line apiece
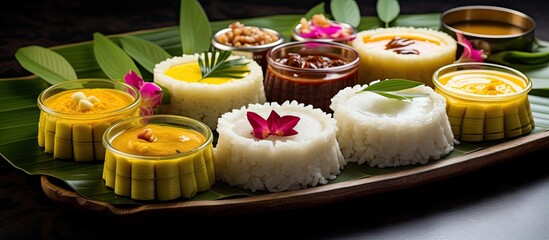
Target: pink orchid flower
point(274, 125)
point(151, 93)
point(469, 53)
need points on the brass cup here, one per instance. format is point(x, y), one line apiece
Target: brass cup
point(521, 40)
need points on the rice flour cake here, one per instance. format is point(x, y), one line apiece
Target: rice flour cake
point(387, 132)
point(277, 163)
point(403, 52)
point(206, 99)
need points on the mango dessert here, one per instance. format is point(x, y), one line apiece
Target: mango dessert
point(75, 114)
point(485, 101)
point(158, 157)
point(206, 98)
point(403, 52)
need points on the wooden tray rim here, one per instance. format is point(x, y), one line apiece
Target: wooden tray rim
point(314, 196)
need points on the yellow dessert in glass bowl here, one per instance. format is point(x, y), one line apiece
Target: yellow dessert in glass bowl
point(158, 157)
point(403, 52)
point(75, 114)
point(485, 101)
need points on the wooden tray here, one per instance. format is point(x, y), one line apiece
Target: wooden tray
point(315, 196)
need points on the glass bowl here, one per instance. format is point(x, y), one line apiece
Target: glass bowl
point(309, 85)
point(172, 160)
point(485, 101)
point(72, 133)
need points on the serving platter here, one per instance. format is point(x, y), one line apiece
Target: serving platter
point(71, 184)
point(315, 196)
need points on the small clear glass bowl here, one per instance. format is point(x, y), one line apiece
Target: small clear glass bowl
point(169, 177)
point(77, 136)
point(482, 117)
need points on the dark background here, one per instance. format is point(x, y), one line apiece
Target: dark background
point(506, 201)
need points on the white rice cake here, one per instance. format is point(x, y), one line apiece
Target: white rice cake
point(276, 164)
point(386, 132)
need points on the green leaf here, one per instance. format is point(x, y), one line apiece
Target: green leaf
point(45, 63)
point(317, 9)
point(146, 53)
point(519, 59)
point(194, 27)
point(392, 85)
point(111, 58)
point(389, 88)
point(217, 65)
point(345, 11)
point(387, 10)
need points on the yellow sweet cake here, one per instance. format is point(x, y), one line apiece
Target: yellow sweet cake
point(403, 52)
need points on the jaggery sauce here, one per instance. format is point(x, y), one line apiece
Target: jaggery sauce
point(310, 79)
point(400, 46)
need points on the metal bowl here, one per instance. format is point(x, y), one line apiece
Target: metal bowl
point(517, 29)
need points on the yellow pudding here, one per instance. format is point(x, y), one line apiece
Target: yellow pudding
point(483, 82)
point(190, 72)
point(157, 140)
point(73, 118)
point(158, 157)
point(207, 99)
point(107, 100)
point(403, 52)
point(485, 101)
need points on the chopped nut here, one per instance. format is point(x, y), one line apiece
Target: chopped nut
point(147, 135)
point(93, 99)
point(241, 35)
point(77, 96)
point(84, 105)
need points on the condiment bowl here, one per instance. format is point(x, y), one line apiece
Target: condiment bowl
point(255, 52)
point(490, 28)
point(307, 85)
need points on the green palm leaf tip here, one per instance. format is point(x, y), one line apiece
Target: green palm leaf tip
point(214, 63)
point(390, 88)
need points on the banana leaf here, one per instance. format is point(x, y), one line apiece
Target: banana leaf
point(19, 146)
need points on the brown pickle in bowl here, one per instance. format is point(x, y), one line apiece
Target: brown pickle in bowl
point(310, 72)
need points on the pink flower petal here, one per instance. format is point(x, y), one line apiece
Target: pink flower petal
point(150, 92)
point(133, 79)
point(259, 125)
point(274, 125)
point(469, 54)
point(272, 121)
point(285, 125)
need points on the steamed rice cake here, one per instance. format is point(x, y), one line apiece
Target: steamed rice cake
point(387, 132)
point(206, 99)
point(277, 163)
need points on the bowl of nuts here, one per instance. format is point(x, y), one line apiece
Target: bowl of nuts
point(249, 41)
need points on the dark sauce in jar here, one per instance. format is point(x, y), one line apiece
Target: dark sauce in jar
point(312, 76)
